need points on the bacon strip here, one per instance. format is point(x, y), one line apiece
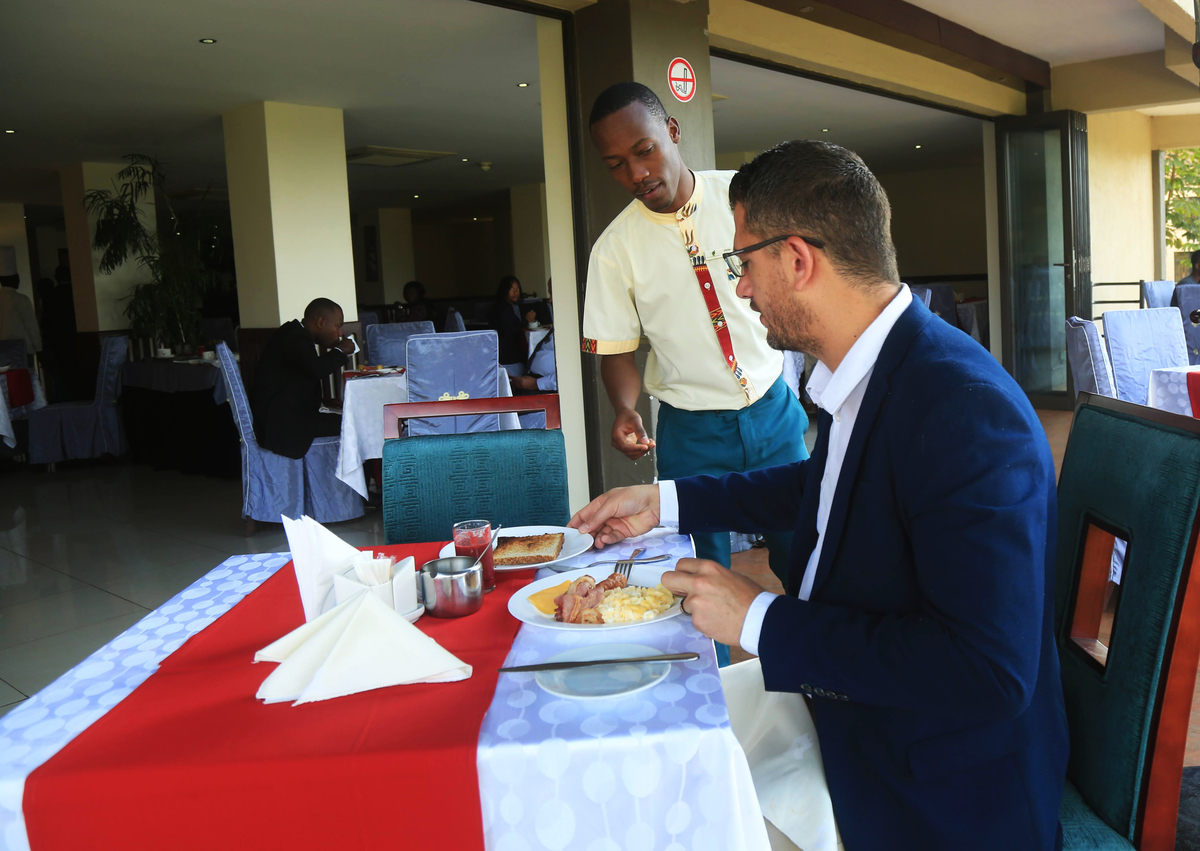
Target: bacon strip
point(591, 616)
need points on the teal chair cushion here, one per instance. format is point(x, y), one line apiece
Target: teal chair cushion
point(1083, 830)
point(430, 482)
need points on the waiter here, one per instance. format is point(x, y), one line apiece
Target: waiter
point(657, 270)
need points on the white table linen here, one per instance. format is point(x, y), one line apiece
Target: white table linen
point(362, 422)
point(1168, 389)
point(657, 769)
point(7, 415)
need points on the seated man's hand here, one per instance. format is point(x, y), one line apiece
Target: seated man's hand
point(345, 346)
point(524, 382)
point(717, 599)
point(619, 514)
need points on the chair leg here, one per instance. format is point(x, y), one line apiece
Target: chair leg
point(251, 526)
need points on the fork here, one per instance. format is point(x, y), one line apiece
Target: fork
point(625, 567)
point(650, 560)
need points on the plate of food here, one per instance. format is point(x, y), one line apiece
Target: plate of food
point(589, 598)
point(523, 547)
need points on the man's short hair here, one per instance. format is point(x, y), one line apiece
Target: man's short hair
point(319, 307)
point(822, 190)
point(620, 95)
point(1195, 259)
point(418, 286)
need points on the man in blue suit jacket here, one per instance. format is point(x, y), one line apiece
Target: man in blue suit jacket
point(919, 606)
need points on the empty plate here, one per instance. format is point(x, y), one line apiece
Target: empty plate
point(606, 681)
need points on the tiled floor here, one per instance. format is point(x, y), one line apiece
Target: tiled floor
point(87, 551)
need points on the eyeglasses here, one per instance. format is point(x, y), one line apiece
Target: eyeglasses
point(733, 259)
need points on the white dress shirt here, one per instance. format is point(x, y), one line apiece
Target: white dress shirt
point(840, 393)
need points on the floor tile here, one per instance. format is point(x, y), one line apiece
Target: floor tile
point(33, 666)
point(9, 707)
point(9, 695)
point(69, 610)
point(151, 587)
point(22, 580)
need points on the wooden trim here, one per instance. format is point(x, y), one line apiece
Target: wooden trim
point(1093, 583)
point(392, 414)
point(908, 27)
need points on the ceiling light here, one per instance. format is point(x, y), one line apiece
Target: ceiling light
point(208, 41)
point(465, 159)
point(824, 129)
point(474, 218)
point(804, 10)
point(522, 85)
point(918, 146)
point(416, 196)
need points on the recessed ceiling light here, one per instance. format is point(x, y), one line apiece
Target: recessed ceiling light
point(10, 131)
point(522, 85)
point(208, 41)
point(918, 146)
point(416, 196)
point(474, 218)
point(824, 129)
point(465, 159)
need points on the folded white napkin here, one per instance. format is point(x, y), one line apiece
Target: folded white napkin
point(398, 591)
point(318, 555)
point(360, 645)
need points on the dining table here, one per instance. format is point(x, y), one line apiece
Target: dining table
point(1175, 389)
point(156, 739)
point(35, 398)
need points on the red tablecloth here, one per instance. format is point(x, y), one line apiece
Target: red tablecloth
point(1193, 385)
point(191, 760)
point(20, 387)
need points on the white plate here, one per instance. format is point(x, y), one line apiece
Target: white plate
point(607, 681)
point(329, 602)
point(648, 575)
point(575, 543)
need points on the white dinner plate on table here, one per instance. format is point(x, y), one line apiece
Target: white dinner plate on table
point(606, 681)
point(575, 543)
point(647, 575)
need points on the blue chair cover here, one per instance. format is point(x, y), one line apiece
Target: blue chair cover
point(1090, 369)
point(386, 342)
point(12, 353)
point(366, 318)
point(449, 365)
point(1140, 341)
point(454, 321)
point(71, 430)
point(923, 293)
point(1157, 293)
point(273, 485)
point(1188, 297)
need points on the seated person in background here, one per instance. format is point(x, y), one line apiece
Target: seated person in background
point(286, 399)
point(508, 323)
point(418, 308)
point(1192, 277)
point(18, 321)
point(542, 376)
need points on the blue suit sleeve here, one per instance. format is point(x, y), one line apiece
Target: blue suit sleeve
point(975, 492)
point(760, 502)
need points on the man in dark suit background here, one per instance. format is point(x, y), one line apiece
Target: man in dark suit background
point(919, 604)
point(286, 399)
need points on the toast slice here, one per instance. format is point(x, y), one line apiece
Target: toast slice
point(528, 549)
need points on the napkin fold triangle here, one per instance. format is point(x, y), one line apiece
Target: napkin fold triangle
point(360, 645)
point(317, 556)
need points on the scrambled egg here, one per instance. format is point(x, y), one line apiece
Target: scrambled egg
point(635, 603)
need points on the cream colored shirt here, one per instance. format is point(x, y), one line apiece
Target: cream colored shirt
point(640, 281)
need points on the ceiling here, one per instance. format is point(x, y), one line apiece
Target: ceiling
point(765, 107)
point(1058, 31)
point(94, 81)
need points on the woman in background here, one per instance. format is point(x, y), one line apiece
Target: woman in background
point(506, 320)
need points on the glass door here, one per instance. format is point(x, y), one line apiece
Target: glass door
point(1045, 249)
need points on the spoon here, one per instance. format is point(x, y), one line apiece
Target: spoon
point(488, 548)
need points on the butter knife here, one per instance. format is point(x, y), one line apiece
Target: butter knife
point(564, 666)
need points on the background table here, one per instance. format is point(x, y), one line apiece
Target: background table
point(362, 422)
point(8, 433)
point(1168, 389)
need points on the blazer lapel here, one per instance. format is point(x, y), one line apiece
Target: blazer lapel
point(891, 356)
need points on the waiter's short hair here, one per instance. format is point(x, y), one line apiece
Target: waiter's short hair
point(620, 95)
point(319, 307)
point(818, 189)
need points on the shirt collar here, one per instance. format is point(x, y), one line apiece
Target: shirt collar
point(829, 390)
point(670, 218)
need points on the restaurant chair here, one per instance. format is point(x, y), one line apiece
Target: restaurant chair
point(12, 353)
point(1088, 359)
point(1128, 675)
point(454, 321)
point(459, 365)
point(220, 329)
point(366, 318)
point(541, 364)
point(943, 303)
point(923, 293)
point(1140, 341)
point(273, 485)
point(1157, 293)
point(430, 482)
point(74, 430)
point(386, 341)
point(1188, 298)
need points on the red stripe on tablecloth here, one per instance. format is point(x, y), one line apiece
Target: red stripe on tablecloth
point(20, 387)
point(1193, 386)
point(191, 760)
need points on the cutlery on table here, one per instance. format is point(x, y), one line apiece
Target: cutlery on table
point(563, 666)
point(625, 566)
point(650, 560)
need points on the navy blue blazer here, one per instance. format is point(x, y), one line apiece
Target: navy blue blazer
point(927, 644)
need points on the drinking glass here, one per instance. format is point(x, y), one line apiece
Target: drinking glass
point(472, 537)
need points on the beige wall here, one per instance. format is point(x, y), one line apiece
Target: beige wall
point(395, 252)
point(530, 245)
point(939, 221)
point(1121, 197)
point(12, 232)
point(290, 210)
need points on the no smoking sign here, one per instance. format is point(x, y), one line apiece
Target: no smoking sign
point(682, 79)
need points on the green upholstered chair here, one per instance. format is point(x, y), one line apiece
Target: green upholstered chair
point(1132, 472)
point(430, 482)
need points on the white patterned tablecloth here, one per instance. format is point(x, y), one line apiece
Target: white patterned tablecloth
point(1168, 389)
point(44, 724)
point(7, 415)
point(660, 769)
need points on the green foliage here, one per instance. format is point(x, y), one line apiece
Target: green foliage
point(1182, 185)
point(179, 257)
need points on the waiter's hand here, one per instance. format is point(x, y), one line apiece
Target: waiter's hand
point(619, 514)
point(717, 599)
point(629, 436)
